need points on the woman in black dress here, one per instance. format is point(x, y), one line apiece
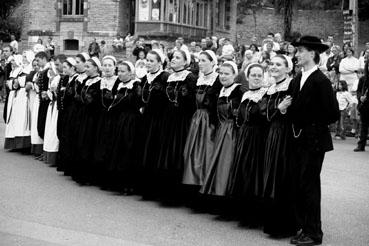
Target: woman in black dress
point(89, 115)
point(246, 177)
point(200, 140)
point(71, 155)
point(180, 92)
point(66, 93)
point(106, 120)
point(279, 219)
point(229, 99)
point(126, 134)
point(155, 103)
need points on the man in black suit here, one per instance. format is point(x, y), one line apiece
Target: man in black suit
point(313, 107)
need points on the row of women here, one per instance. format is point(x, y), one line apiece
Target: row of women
point(167, 131)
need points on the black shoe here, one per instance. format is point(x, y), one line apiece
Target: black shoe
point(296, 238)
point(359, 149)
point(307, 241)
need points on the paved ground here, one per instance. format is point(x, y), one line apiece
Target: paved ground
point(40, 207)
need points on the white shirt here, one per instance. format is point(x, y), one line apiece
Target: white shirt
point(14, 45)
point(344, 99)
point(306, 74)
point(227, 50)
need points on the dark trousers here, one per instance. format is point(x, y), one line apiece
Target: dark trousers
point(307, 165)
point(363, 133)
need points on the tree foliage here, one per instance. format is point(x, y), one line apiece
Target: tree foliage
point(8, 23)
point(7, 8)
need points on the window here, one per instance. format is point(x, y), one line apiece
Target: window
point(73, 7)
point(71, 44)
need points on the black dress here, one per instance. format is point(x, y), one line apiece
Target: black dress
point(65, 103)
point(222, 160)
point(247, 173)
point(279, 220)
point(105, 124)
point(180, 91)
point(126, 134)
point(89, 113)
point(200, 140)
point(155, 105)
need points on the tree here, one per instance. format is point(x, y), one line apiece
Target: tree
point(287, 18)
point(7, 8)
point(7, 23)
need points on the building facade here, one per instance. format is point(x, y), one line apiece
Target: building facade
point(73, 24)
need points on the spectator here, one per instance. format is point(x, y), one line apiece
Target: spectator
point(363, 108)
point(204, 44)
point(103, 48)
point(118, 44)
point(324, 59)
point(345, 47)
point(255, 53)
point(349, 68)
point(366, 48)
point(248, 59)
point(269, 49)
point(94, 49)
point(38, 47)
point(139, 47)
point(271, 38)
point(363, 59)
point(333, 64)
point(227, 49)
point(50, 47)
point(128, 38)
point(345, 101)
point(140, 66)
point(14, 44)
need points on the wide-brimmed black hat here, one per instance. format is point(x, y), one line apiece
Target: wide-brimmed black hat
point(311, 42)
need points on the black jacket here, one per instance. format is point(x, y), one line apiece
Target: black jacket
point(313, 108)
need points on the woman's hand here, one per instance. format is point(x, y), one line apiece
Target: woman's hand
point(286, 102)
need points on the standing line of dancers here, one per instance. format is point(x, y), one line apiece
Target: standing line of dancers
point(179, 135)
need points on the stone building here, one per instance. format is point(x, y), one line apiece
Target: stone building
point(74, 23)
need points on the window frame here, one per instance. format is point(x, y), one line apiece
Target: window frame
point(80, 8)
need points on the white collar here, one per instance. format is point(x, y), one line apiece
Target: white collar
point(27, 69)
point(108, 82)
point(180, 76)
point(81, 77)
point(282, 86)
point(207, 79)
point(226, 92)
point(129, 85)
point(152, 76)
point(254, 96)
point(309, 72)
point(92, 81)
point(72, 77)
point(15, 72)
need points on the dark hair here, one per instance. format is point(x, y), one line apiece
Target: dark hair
point(252, 66)
point(283, 58)
point(207, 55)
point(8, 46)
point(230, 66)
point(68, 63)
point(42, 55)
point(351, 49)
point(94, 63)
point(272, 34)
point(316, 55)
point(103, 42)
point(254, 45)
point(81, 57)
point(153, 52)
point(183, 55)
point(343, 84)
point(61, 57)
